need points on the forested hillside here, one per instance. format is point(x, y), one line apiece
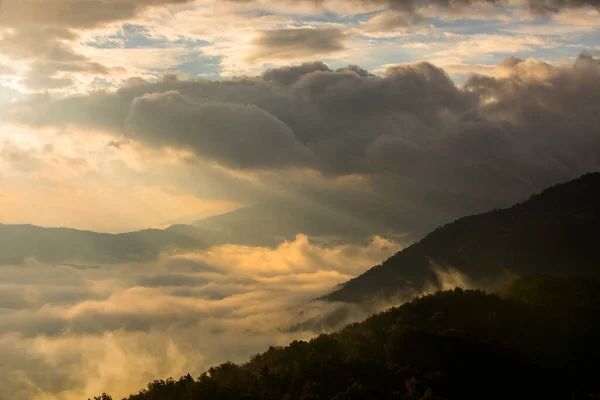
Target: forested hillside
point(538, 339)
point(554, 232)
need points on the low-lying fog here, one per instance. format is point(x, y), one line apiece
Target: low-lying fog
point(72, 331)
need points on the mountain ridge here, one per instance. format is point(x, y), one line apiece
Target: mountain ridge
point(546, 233)
point(58, 244)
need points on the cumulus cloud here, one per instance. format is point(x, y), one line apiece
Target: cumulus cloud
point(287, 75)
point(337, 114)
point(235, 134)
point(423, 147)
point(73, 331)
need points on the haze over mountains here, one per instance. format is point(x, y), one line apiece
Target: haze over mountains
point(551, 232)
point(178, 302)
point(54, 245)
point(267, 224)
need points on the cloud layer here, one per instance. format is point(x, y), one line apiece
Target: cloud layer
point(70, 46)
point(73, 331)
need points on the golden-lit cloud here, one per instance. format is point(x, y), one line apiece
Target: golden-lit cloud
point(71, 332)
point(104, 210)
point(88, 181)
point(68, 46)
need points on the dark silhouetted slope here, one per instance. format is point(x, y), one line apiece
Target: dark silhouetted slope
point(554, 232)
point(457, 344)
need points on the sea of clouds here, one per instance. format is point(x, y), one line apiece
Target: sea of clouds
point(72, 331)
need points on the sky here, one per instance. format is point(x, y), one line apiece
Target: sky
point(119, 115)
point(380, 118)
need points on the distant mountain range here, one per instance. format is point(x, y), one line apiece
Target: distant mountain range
point(266, 224)
point(554, 232)
point(269, 223)
point(54, 245)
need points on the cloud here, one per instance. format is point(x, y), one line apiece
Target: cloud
point(566, 95)
point(52, 61)
point(535, 6)
point(42, 35)
point(462, 68)
point(287, 75)
point(391, 23)
point(70, 46)
point(71, 333)
point(6, 70)
point(93, 13)
point(419, 148)
point(471, 46)
point(334, 114)
point(235, 134)
point(74, 13)
point(81, 181)
point(292, 44)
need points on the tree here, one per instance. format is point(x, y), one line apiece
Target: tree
point(103, 396)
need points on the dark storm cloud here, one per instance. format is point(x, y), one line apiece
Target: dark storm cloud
point(235, 134)
point(285, 44)
point(429, 150)
point(334, 116)
point(356, 69)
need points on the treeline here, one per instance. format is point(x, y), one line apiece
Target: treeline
point(538, 339)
